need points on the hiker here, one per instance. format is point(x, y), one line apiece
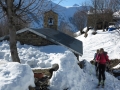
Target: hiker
point(102, 59)
point(96, 63)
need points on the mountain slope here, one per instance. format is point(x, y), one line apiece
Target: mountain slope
point(64, 13)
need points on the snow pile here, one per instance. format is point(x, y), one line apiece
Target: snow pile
point(15, 76)
point(66, 75)
point(71, 77)
point(42, 57)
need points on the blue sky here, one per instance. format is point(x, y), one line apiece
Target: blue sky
point(71, 2)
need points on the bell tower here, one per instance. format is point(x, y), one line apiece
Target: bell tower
point(51, 20)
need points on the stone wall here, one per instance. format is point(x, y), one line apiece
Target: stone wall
point(54, 16)
point(30, 38)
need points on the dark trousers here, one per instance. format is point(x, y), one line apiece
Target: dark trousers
point(96, 67)
point(101, 71)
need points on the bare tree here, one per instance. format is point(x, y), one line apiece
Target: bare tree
point(103, 9)
point(65, 28)
point(114, 5)
point(79, 20)
point(94, 5)
point(3, 28)
point(14, 10)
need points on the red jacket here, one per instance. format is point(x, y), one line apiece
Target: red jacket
point(102, 58)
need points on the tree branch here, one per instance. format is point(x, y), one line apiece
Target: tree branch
point(19, 5)
point(2, 6)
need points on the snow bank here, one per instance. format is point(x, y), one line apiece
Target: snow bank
point(65, 76)
point(15, 76)
point(41, 57)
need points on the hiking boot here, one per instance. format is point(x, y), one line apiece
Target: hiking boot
point(98, 85)
point(103, 84)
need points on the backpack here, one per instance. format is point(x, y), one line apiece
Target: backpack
point(107, 66)
point(105, 53)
